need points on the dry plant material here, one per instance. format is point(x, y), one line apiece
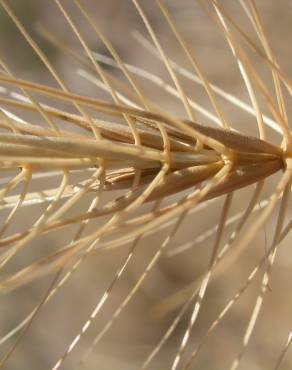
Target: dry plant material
point(90, 177)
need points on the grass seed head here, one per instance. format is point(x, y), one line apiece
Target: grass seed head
point(114, 182)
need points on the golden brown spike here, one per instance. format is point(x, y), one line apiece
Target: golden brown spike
point(154, 223)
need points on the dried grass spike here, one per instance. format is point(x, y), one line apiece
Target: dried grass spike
point(134, 233)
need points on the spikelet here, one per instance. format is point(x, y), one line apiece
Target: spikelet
point(99, 193)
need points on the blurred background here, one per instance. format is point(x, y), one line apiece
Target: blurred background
point(146, 318)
